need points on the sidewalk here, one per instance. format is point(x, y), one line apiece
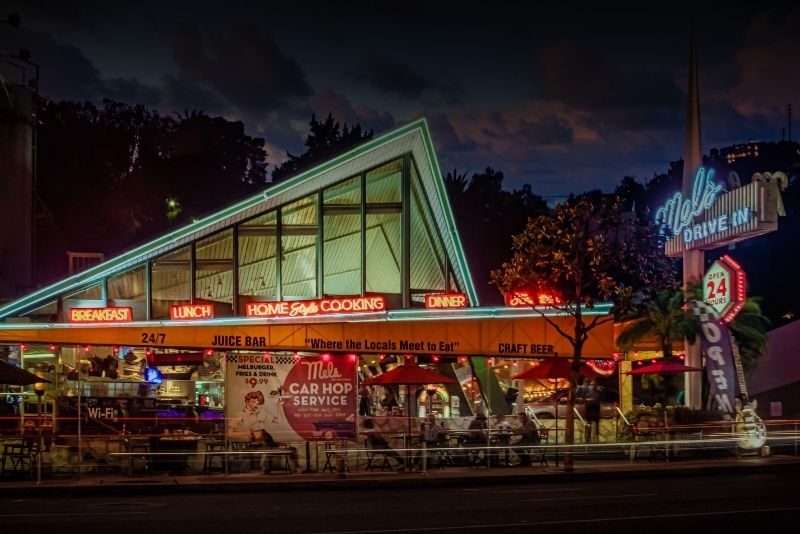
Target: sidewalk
point(585, 470)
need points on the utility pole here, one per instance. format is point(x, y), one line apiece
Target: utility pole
point(789, 120)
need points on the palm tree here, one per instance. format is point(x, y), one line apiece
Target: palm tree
point(664, 317)
point(749, 330)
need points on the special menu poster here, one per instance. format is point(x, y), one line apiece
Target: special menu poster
point(290, 398)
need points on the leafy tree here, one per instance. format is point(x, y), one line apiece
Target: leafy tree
point(106, 175)
point(325, 140)
point(587, 251)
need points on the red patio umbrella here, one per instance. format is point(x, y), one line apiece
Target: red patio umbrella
point(409, 374)
point(663, 367)
point(554, 368)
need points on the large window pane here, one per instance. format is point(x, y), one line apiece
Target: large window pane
point(383, 253)
point(171, 282)
point(342, 239)
point(384, 183)
point(299, 249)
point(428, 263)
point(214, 272)
point(128, 290)
point(257, 265)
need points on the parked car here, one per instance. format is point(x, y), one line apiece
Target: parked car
point(546, 408)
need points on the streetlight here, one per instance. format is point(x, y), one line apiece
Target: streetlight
point(38, 388)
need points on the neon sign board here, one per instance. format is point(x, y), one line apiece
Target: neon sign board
point(724, 288)
point(306, 308)
point(191, 311)
point(100, 315)
point(445, 300)
point(678, 213)
point(724, 218)
point(524, 297)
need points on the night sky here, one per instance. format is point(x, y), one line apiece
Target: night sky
point(566, 97)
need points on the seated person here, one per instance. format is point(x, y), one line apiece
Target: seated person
point(476, 428)
point(376, 441)
point(529, 436)
point(432, 431)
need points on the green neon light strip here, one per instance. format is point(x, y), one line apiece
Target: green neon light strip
point(372, 317)
point(129, 259)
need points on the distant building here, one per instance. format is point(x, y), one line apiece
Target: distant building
point(749, 150)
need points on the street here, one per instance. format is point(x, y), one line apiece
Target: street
point(658, 502)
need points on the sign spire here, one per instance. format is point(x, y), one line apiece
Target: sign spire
point(693, 260)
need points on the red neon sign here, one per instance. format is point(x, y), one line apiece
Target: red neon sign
point(191, 311)
point(100, 315)
point(306, 308)
point(525, 297)
point(445, 300)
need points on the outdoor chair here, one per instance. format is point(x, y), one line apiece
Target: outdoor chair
point(137, 451)
point(330, 458)
point(373, 454)
point(215, 450)
point(19, 457)
point(530, 454)
point(649, 441)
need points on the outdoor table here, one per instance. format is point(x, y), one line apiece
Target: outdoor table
point(171, 453)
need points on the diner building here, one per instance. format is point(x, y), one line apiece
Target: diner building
point(260, 324)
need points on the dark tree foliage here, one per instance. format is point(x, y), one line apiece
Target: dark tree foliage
point(487, 217)
point(105, 174)
point(325, 140)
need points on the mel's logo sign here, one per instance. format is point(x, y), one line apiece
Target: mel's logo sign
point(445, 300)
point(305, 308)
point(100, 315)
point(191, 311)
point(678, 213)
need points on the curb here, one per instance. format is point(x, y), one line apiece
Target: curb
point(171, 486)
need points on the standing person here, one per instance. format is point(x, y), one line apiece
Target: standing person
point(389, 401)
point(529, 437)
point(591, 392)
point(363, 402)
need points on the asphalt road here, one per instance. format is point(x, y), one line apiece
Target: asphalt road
point(737, 502)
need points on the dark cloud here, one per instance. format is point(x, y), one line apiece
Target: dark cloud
point(445, 136)
point(583, 78)
point(329, 101)
point(65, 73)
point(392, 76)
point(180, 93)
point(132, 91)
point(244, 67)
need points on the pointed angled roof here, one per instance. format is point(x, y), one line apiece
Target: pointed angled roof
point(413, 138)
